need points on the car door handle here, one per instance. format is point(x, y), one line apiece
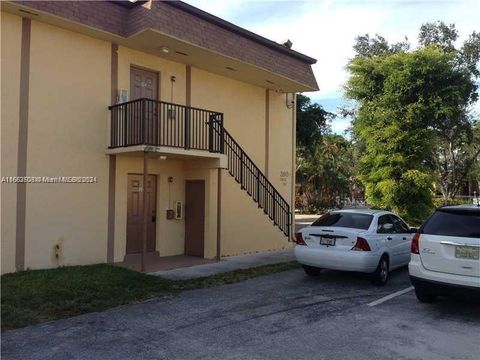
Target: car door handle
point(389, 238)
point(404, 238)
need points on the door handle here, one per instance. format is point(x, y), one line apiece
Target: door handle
point(404, 238)
point(389, 238)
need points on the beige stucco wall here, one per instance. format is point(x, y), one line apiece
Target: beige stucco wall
point(242, 104)
point(69, 95)
point(245, 228)
point(280, 144)
point(11, 32)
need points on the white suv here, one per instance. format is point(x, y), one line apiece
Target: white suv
point(445, 254)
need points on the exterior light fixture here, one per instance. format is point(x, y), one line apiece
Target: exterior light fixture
point(289, 103)
point(164, 49)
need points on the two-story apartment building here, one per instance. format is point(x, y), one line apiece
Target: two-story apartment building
point(101, 100)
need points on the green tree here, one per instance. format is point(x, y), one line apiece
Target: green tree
point(410, 104)
point(439, 34)
point(312, 123)
point(457, 157)
point(324, 174)
point(366, 46)
point(458, 146)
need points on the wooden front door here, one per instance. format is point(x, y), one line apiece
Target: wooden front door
point(135, 213)
point(194, 217)
point(144, 84)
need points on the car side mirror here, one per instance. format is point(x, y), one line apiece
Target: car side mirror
point(413, 230)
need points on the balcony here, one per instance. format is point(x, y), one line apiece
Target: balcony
point(154, 125)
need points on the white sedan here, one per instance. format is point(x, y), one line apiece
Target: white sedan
point(369, 241)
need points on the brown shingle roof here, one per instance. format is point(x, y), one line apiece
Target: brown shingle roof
point(190, 24)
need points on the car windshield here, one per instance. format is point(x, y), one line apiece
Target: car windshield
point(453, 223)
point(346, 220)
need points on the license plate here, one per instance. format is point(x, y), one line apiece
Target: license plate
point(327, 241)
point(467, 252)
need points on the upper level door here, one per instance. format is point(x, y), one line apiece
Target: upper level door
point(143, 84)
point(143, 120)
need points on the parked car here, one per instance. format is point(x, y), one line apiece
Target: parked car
point(368, 241)
point(445, 253)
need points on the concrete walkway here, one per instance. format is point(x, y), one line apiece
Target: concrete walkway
point(229, 263)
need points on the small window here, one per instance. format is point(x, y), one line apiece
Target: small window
point(346, 220)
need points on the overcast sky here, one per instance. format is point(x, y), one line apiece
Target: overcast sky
point(326, 29)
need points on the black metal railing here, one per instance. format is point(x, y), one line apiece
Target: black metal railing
point(159, 123)
point(256, 184)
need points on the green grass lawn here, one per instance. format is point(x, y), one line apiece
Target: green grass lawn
point(35, 296)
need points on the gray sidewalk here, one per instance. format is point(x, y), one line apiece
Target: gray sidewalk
point(228, 264)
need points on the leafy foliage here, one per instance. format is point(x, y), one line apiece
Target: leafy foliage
point(411, 119)
point(324, 160)
point(366, 46)
point(312, 123)
point(438, 34)
point(325, 174)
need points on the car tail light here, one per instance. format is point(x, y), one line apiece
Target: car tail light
point(299, 239)
point(361, 245)
point(415, 246)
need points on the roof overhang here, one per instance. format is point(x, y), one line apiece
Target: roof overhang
point(150, 40)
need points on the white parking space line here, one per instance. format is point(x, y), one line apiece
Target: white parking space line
point(391, 296)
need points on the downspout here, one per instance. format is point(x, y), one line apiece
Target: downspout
point(294, 166)
point(145, 211)
point(219, 213)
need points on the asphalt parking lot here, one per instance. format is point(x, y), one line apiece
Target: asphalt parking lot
point(282, 316)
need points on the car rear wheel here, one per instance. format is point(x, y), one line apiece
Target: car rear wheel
point(311, 270)
point(380, 276)
point(424, 296)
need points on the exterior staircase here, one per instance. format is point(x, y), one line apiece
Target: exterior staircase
point(254, 182)
point(158, 123)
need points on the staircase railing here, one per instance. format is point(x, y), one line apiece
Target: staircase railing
point(255, 183)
